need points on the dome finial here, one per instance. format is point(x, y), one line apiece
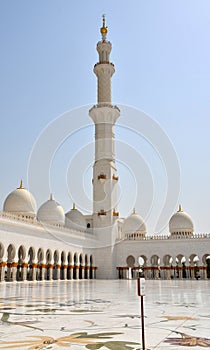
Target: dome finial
point(51, 197)
point(21, 185)
point(74, 206)
point(104, 29)
point(180, 208)
point(134, 211)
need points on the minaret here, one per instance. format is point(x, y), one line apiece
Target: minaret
point(104, 115)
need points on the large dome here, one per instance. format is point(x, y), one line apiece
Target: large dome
point(20, 202)
point(134, 224)
point(181, 223)
point(75, 219)
point(51, 213)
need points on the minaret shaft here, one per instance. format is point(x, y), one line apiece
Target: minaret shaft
point(104, 115)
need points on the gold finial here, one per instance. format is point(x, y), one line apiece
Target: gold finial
point(74, 206)
point(51, 197)
point(104, 29)
point(134, 211)
point(21, 185)
point(180, 209)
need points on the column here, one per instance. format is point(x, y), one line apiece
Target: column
point(82, 272)
point(71, 272)
point(50, 272)
point(34, 271)
point(57, 272)
point(14, 271)
point(64, 272)
point(94, 268)
point(88, 272)
point(24, 271)
point(43, 272)
point(2, 271)
point(77, 272)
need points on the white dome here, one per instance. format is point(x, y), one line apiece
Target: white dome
point(51, 213)
point(180, 223)
point(75, 219)
point(134, 224)
point(20, 202)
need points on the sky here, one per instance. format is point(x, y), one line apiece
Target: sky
point(161, 54)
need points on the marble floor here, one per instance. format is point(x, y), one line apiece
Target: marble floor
point(104, 315)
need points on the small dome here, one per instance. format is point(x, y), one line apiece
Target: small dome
point(51, 213)
point(134, 224)
point(75, 219)
point(181, 223)
point(20, 202)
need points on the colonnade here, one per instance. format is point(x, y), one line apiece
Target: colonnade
point(162, 272)
point(39, 265)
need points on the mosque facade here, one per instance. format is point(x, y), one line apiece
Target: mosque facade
point(49, 244)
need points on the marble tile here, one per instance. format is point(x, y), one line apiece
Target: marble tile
point(101, 314)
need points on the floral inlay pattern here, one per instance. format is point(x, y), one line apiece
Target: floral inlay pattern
point(90, 341)
point(188, 340)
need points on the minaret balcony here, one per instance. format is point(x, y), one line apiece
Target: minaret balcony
point(103, 62)
point(115, 178)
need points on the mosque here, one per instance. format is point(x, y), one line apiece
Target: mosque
point(50, 245)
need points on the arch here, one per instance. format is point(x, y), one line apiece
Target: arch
point(75, 266)
point(206, 258)
point(86, 266)
point(91, 266)
point(31, 255)
point(48, 256)
point(40, 258)
point(194, 266)
point(10, 271)
point(21, 253)
point(142, 260)
point(56, 257)
point(31, 258)
point(130, 261)
point(167, 260)
point(21, 275)
point(69, 267)
point(63, 265)
point(11, 253)
point(49, 266)
point(56, 267)
point(40, 255)
point(81, 266)
point(155, 266)
point(155, 260)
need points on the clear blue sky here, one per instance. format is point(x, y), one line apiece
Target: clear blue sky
point(161, 53)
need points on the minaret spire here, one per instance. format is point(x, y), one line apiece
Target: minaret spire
point(104, 29)
point(104, 115)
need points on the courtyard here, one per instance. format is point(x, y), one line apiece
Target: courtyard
point(104, 314)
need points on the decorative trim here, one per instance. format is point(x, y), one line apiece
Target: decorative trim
point(24, 265)
point(34, 266)
point(102, 177)
point(102, 212)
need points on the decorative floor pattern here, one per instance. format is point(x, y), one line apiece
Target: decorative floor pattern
point(104, 315)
